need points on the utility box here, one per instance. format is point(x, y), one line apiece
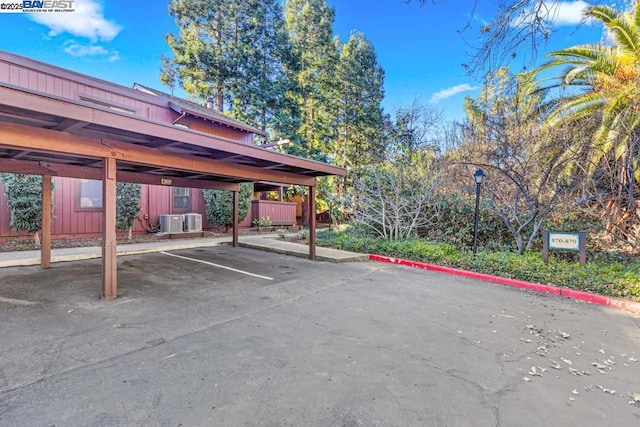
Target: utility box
point(171, 223)
point(192, 222)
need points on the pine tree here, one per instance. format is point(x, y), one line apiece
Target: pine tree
point(206, 52)
point(310, 25)
point(361, 92)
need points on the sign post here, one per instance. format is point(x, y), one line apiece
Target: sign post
point(575, 242)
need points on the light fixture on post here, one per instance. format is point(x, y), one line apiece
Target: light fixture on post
point(478, 178)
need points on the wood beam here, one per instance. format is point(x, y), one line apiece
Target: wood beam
point(27, 119)
point(44, 140)
point(38, 102)
point(21, 154)
point(83, 172)
point(109, 243)
point(312, 223)
point(235, 220)
point(69, 125)
point(45, 242)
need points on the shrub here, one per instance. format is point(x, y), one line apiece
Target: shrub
point(606, 274)
point(219, 205)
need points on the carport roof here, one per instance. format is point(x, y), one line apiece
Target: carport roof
point(43, 131)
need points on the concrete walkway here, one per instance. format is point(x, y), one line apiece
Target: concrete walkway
point(268, 242)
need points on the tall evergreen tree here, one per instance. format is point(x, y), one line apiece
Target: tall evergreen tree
point(262, 97)
point(206, 52)
point(310, 25)
point(361, 91)
point(240, 54)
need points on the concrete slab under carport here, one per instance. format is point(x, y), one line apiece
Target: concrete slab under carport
point(321, 344)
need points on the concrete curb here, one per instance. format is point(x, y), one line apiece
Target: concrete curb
point(612, 302)
point(319, 257)
point(26, 262)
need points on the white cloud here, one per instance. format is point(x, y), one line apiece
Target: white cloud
point(76, 49)
point(115, 56)
point(451, 91)
point(87, 20)
point(569, 12)
point(557, 13)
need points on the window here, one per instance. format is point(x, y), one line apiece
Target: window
point(88, 195)
point(181, 199)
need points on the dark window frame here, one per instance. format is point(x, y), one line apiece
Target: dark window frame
point(189, 196)
point(78, 197)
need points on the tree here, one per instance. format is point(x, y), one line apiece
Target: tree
point(525, 159)
point(361, 91)
point(127, 205)
point(24, 198)
point(394, 200)
point(238, 53)
point(206, 54)
point(414, 131)
point(310, 25)
point(219, 205)
point(603, 89)
point(517, 31)
point(263, 97)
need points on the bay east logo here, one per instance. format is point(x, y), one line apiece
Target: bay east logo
point(48, 5)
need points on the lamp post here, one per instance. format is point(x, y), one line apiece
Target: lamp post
point(478, 178)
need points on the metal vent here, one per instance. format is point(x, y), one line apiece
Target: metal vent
point(192, 222)
point(171, 223)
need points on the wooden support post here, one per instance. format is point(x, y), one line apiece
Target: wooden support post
point(235, 219)
point(582, 238)
point(109, 255)
point(545, 246)
point(45, 243)
point(312, 222)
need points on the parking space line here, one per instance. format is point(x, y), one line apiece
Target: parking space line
point(218, 265)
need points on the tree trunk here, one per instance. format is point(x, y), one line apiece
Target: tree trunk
point(130, 233)
point(36, 238)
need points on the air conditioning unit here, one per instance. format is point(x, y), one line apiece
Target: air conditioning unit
point(171, 223)
point(192, 222)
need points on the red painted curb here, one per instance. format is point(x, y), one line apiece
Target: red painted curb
point(619, 303)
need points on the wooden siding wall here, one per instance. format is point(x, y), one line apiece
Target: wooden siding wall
point(75, 86)
point(214, 128)
point(155, 201)
point(280, 213)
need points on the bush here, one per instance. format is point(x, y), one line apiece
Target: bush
point(607, 274)
point(453, 223)
point(219, 205)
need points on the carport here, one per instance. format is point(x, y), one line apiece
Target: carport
point(55, 122)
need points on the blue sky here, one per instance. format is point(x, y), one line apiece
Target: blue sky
point(420, 48)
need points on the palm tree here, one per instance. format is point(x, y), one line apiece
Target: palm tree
point(604, 83)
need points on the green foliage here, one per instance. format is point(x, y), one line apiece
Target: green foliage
point(24, 198)
point(237, 53)
point(359, 121)
point(262, 222)
point(604, 274)
point(219, 205)
point(310, 25)
point(127, 204)
point(453, 224)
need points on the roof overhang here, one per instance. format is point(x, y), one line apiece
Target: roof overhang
point(38, 128)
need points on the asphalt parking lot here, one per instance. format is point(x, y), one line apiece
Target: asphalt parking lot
point(195, 340)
